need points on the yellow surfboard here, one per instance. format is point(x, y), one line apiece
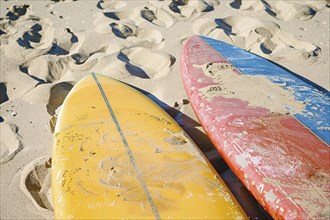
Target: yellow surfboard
point(117, 155)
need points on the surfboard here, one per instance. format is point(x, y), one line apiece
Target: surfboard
point(270, 125)
point(118, 155)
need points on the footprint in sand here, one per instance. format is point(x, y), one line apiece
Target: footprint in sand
point(101, 60)
point(140, 14)
point(184, 9)
point(123, 26)
point(36, 184)
point(42, 50)
point(3, 93)
point(282, 10)
point(146, 63)
point(251, 6)
point(16, 12)
point(15, 15)
point(289, 10)
point(28, 38)
point(122, 62)
point(260, 37)
point(51, 65)
point(10, 145)
point(50, 95)
point(58, 93)
point(157, 16)
point(47, 68)
point(111, 4)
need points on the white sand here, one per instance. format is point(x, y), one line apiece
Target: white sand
point(247, 88)
point(47, 46)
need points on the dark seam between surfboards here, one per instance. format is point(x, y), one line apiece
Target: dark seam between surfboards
point(238, 70)
point(129, 152)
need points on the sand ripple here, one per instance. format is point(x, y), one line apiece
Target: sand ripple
point(43, 56)
point(261, 37)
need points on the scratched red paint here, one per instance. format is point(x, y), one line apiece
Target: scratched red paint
point(282, 163)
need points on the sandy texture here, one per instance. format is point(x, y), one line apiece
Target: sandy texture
point(47, 46)
point(258, 91)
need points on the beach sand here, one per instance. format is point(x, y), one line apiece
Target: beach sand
point(48, 46)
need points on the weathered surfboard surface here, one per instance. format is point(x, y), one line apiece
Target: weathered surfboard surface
point(117, 155)
point(271, 126)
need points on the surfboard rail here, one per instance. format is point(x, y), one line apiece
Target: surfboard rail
point(278, 148)
point(117, 155)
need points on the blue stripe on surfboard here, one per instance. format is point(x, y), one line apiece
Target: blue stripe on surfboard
point(316, 116)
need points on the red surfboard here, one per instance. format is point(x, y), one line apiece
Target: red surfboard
point(270, 125)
